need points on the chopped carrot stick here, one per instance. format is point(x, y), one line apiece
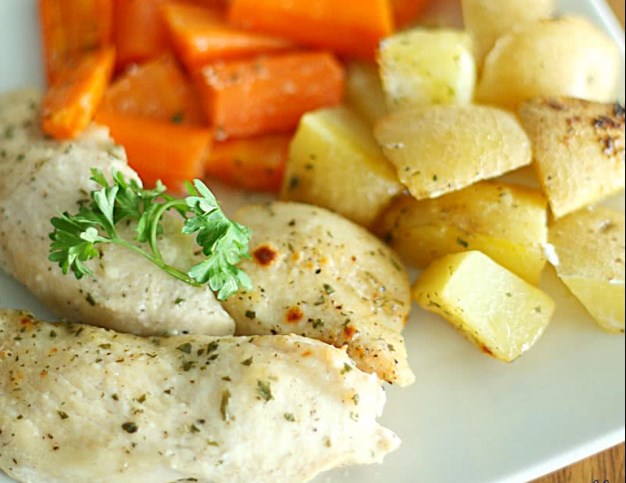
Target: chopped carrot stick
point(268, 94)
point(255, 164)
point(138, 32)
point(159, 150)
point(350, 27)
point(202, 35)
point(405, 12)
point(157, 90)
point(69, 105)
point(71, 28)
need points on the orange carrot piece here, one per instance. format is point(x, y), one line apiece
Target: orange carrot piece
point(138, 32)
point(255, 164)
point(268, 94)
point(202, 35)
point(157, 90)
point(159, 150)
point(405, 12)
point(69, 105)
point(350, 27)
point(71, 28)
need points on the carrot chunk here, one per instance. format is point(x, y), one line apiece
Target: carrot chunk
point(70, 28)
point(268, 94)
point(157, 90)
point(159, 150)
point(138, 32)
point(202, 35)
point(69, 105)
point(349, 27)
point(255, 164)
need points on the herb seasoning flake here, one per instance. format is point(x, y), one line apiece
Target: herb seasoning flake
point(186, 348)
point(224, 405)
point(264, 390)
point(130, 427)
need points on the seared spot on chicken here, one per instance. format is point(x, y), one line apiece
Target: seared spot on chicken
point(294, 315)
point(264, 255)
point(349, 332)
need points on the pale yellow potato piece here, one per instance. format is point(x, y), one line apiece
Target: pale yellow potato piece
point(567, 56)
point(501, 313)
point(506, 222)
point(364, 91)
point(439, 149)
point(422, 67)
point(334, 162)
point(486, 20)
point(590, 249)
point(578, 149)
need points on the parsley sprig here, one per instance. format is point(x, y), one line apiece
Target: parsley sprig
point(224, 243)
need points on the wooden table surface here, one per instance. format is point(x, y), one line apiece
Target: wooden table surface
point(607, 466)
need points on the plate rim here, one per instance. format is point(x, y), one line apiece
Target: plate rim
point(611, 437)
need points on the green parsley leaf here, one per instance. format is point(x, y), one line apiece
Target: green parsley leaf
point(222, 241)
point(73, 243)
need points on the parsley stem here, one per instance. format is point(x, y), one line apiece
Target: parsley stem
point(173, 271)
point(158, 214)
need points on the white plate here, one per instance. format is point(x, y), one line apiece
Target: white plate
point(468, 418)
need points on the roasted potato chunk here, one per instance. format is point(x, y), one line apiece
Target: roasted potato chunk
point(439, 149)
point(334, 162)
point(506, 222)
point(501, 313)
point(578, 150)
point(590, 249)
point(422, 67)
point(486, 20)
point(567, 56)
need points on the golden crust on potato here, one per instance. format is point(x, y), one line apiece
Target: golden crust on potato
point(578, 150)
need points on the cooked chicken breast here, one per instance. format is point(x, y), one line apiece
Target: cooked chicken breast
point(321, 276)
point(39, 178)
point(316, 274)
point(84, 404)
